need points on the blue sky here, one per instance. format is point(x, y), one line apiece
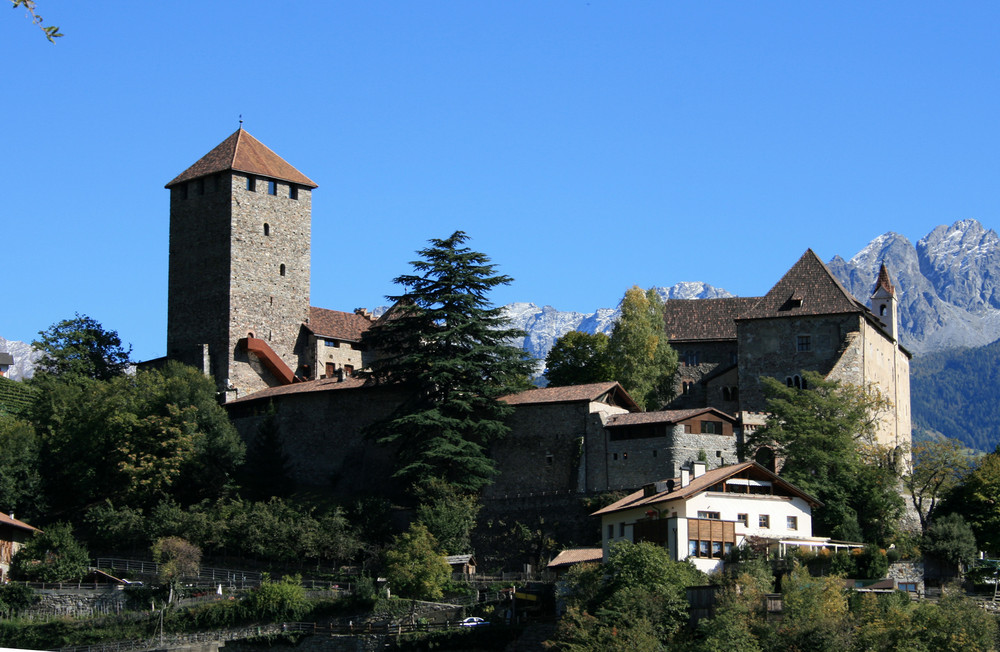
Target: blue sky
point(585, 146)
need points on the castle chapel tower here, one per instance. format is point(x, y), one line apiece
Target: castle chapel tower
point(240, 227)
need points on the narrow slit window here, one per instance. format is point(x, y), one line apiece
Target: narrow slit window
point(251, 184)
point(267, 229)
point(293, 191)
point(272, 187)
point(281, 270)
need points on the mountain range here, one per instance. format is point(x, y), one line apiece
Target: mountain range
point(948, 287)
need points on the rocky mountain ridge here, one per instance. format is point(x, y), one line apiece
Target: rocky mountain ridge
point(948, 287)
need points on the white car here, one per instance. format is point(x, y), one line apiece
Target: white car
point(472, 621)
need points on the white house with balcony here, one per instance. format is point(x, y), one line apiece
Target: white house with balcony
point(703, 514)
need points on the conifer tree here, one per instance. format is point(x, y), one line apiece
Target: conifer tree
point(445, 342)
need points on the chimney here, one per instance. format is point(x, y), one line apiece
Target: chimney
point(685, 476)
point(699, 468)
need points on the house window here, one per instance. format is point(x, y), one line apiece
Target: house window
point(614, 456)
point(803, 343)
point(792, 522)
point(330, 371)
point(686, 387)
point(621, 529)
point(713, 516)
point(744, 519)
point(654, 452)
point(332, 343)
point(349, 369)
point(251, 184)
point(267, 229)
point(710, 538)
point(711, 427)
point(611, 530)
point(764, 521)
point(293, 191)
point(687, 428)
point(549, 459)
point(910, 587)
point(272, 187)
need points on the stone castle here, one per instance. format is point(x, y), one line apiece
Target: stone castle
point(239, 310)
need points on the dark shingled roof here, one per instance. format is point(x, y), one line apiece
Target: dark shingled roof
point(808, 288)
point(663, 416)
point(700, 484)
point(614, 392)
point(704, 319)
point(243, 153)
point(338, 325)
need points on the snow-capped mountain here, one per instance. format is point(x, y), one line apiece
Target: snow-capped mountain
point(948, 285)
point(546, 324)
point(24, 358)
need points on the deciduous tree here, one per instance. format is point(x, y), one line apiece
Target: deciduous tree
point(579, 358)
point(641, 356)
point(826, 436)
point(415, 566)
point(977, 499)
point(81, 347)
point(938, 467)
point(176, 558)
point(53, 555)
point(445, 342)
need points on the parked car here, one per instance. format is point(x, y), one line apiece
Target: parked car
point(472, 621)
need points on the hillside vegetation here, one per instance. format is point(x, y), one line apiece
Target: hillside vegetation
point(954, 393)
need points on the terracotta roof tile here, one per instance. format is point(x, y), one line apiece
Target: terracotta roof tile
point(884, 282)
point(573, 393)
point(243, 153)
point(698, 485)
point(663, 416)
point(808, 288)
point(339, 325)
point(576, 556)
point(704, 319)
point(6, 519)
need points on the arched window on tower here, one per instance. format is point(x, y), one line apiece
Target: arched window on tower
point(881, 310)
point(281, 270)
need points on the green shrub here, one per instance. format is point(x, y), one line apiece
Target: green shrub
point(284, 600)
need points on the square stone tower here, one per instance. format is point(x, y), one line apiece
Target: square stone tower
point(238, 293)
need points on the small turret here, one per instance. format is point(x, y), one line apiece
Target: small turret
point(884, 304)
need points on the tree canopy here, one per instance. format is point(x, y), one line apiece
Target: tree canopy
point(579, 358)
point(977, 499)
point(825, 435)
point(445, 342)
point(81, 347)
point(641, 356)
point(938, 468)
point(134, 439)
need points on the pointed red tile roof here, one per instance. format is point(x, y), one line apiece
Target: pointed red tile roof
point(884, 282)
point(13, 522)
point(808, 288)
point(704, 319)
point(243, 153)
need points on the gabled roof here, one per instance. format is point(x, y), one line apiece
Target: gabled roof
point(700, 484)
point(243, 153)
point(573, 556)
point(608, 392)
point(6, 358)
point(6, 519)
point(808, 288)
point(704, 319)
point(335, 324)
point(663, 416)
